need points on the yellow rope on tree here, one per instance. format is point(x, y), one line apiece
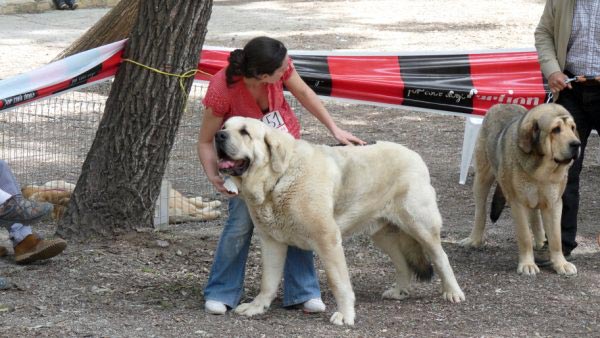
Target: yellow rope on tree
point(182, 77)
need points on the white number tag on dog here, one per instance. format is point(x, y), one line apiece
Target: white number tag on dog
point(275, 120)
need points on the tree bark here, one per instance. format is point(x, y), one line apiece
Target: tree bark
point(121, 176)
point(113, 26)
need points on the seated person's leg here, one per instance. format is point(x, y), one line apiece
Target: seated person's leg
point(16, 209)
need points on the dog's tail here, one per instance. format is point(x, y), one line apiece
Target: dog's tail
point(415, 258)
point(498, 203)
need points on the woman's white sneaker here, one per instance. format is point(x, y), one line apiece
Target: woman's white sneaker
point(313, 306)
point(215, 307)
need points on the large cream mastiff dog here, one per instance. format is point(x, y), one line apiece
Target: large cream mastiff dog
point(310, 196)
point(528, 153)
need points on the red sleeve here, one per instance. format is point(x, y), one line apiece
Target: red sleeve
point(217, 95)
point(288, 72)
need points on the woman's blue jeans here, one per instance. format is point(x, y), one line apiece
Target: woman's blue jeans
point(226, 280)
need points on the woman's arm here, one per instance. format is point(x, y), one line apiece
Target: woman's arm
point(309, 100)
point(206, 149)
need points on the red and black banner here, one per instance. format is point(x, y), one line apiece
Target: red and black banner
point(455, 83)
point(468, 83)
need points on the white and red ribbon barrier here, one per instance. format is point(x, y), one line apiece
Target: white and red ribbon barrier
point(455, 83)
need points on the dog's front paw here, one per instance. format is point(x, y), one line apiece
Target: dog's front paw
point(454, 296)
point(528, 269)
point(339, 319)
point(395, 293)
point(471, 242)
point(251, 309)
point(565, 269)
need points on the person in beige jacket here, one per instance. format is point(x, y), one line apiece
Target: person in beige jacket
point(567, 40)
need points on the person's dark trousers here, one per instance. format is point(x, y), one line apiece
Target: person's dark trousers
point(72, 3)
point(60, 4)
point(583, 102)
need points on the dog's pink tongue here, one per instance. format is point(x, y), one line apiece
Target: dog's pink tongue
point(226, 164)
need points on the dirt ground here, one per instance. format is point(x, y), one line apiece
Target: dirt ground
point(149, 284)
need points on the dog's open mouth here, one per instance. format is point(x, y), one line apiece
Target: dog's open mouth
point(227, 165)
point(231, 167)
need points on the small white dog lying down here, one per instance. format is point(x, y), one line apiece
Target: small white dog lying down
point(310, 196)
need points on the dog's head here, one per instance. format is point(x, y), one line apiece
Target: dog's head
point(549, 130)
point(245, 143)
point(252, 152)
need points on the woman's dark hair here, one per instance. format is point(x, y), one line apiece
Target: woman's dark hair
point(261, 55)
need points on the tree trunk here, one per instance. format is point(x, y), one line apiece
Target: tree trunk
point(121, 176)
point(113, 26)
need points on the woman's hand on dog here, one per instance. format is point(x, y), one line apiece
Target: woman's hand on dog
point(345, 137)
point(219, 183)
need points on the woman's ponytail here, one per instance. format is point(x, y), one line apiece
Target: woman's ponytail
point(235, 67)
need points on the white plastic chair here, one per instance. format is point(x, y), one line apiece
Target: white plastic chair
point(472, 126)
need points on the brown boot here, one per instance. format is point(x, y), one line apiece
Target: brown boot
point(3, 251)
point(33, 248)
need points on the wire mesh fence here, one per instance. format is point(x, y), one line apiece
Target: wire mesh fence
point(48, 140)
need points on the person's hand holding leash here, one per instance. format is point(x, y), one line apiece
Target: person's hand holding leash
point(558, 81)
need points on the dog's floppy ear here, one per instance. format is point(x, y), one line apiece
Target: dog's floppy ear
point(529, 135)
point(279, 157)
point(255, 187)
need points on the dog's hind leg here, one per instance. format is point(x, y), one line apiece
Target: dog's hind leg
point(450, 289)
point(329, 249)
point(433, 248)
point(388, 240)
point(421, 219)
point(273, 255)
point(484, 178)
